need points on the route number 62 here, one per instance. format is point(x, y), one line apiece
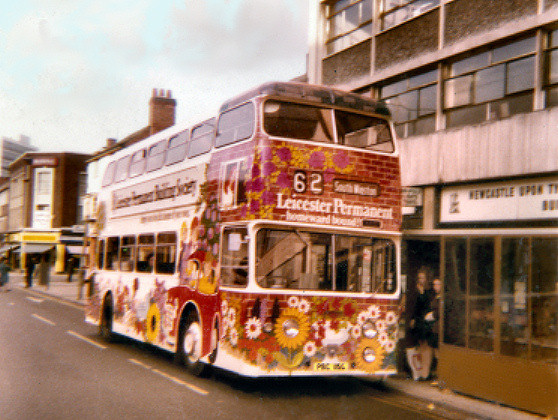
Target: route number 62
point(313, 182)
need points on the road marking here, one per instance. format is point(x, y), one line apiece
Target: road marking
point(36, 300)
point(169, 377)
point(87, 340)
point(40, 318)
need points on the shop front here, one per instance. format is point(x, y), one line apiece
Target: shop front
point(499, 266)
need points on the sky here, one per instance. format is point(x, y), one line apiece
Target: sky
point(76, 72)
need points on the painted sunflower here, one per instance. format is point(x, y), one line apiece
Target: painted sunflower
point(153, 323)
point(369, 355)
point(292, 328)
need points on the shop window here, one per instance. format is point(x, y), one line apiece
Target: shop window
point(484, 86)
point(348, 23)
point(481, 295)
point(412, 103)
point(455, 290)
point(514, 319)
point(544, 299)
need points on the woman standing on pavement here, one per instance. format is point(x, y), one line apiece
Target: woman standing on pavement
point(419, 354)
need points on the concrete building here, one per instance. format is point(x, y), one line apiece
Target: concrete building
point(473, 88)
point(45, 207)
point(11, 149)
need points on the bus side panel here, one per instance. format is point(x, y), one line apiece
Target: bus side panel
point(286, 334)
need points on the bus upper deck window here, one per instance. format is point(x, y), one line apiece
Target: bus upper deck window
point(108, 176)
point(156, 156)
point(364, 132)
point(137, 164)
point(235, 125)
point(176, 150)
point(202, 138)
point(122, 166)
point(296, 121)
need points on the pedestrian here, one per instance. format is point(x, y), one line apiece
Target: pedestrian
point(433, 318)
point(4, 275)
point(44, 270)
point(419, 353)
point(29, 269)
point(71, 268)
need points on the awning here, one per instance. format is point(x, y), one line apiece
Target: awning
point(75, 249)
point(35, 248)
point(7, 248)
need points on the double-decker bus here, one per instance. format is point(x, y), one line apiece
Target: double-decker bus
point(264, 241)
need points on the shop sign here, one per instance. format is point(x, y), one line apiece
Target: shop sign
point(502, 201)
point(44, 161)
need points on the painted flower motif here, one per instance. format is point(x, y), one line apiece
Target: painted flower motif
point(268, 168)
point(374, 311)
point(341, 160)
point(310, 349)
point(383, 338)
point(255, 206)
point(369, 355)
point(268, 198)
point(381, 325)
point(224, 308)
point(316, 160)
point(391, 318)
point(283, 180)
point(231, 316)
point(389, 345)
point(291, 328)
point(284, 153)
point(356, 331)
point(257, 185)
point(363, 317)
point(304, 306)
point(255, 171)
point(233, 337)
point(253, 328)
point(293, 302)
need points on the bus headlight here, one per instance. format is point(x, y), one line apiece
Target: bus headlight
point(291, 328)
point(369, 355)
point(369, 329)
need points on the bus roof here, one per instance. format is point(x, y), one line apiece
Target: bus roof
point(321, 94)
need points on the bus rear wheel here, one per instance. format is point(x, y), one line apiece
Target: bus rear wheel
point(105, 325)
point(190, 345)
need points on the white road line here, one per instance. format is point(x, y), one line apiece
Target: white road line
point(40, 318)
point(137, 362)
point(34, 299)
point(87, 340)
point(169, 377)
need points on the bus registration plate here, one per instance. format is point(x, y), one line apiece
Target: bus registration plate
point(337, 366)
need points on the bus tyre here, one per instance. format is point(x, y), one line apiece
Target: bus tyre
point(105, 325)
point(190, 345)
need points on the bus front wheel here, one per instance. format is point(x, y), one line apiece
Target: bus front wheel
point(105, 325)
point(190, 345)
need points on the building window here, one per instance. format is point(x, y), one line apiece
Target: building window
point(412, 102)
point(523, 317)
point(348, 23)
point(394, 12)
point(491, 85)
point(552, 65)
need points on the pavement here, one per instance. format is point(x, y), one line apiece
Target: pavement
point(432, 392)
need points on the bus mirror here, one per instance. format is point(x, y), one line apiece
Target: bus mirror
point(235, 241)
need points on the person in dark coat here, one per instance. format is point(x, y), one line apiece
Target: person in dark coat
point(29, 269)
point(419, 353)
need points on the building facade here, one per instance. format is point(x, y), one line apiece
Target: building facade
point(473, 89)
point(45, 208)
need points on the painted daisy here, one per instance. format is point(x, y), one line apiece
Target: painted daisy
point(391, 318)
point(304, 306)
point(374, 311)
point(253, 328)
point(293, 302)
point(310, 349)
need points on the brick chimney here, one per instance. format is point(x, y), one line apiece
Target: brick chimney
point(161, 110)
